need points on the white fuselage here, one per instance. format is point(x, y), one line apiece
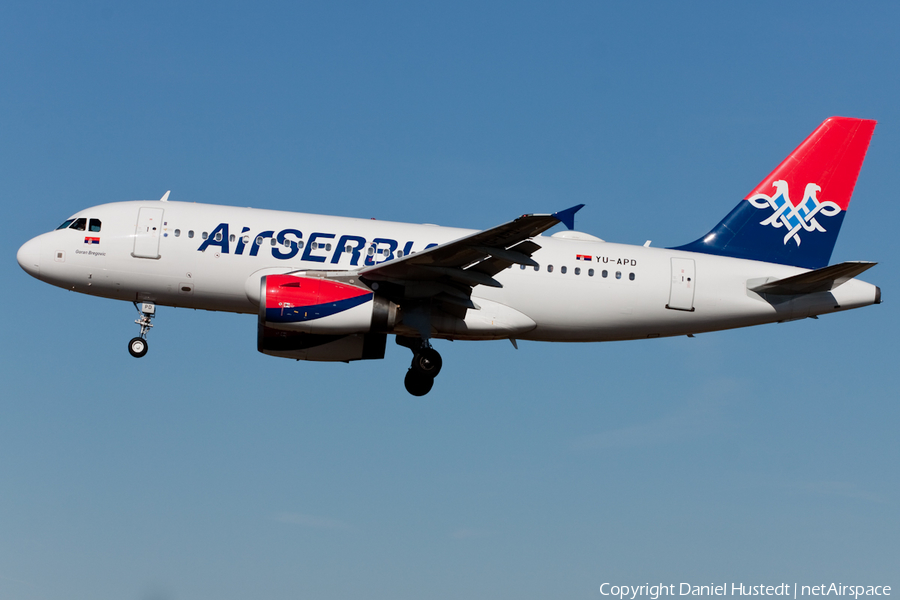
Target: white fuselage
point(583, 290)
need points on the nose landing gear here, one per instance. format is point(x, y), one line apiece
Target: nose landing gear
point(138, 346)
point(426, 364)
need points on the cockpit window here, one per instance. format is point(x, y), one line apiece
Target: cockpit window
point(95, 224)
point(66, 224)
point(79, 224)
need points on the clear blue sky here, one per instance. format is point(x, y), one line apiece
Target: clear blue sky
point(207, 470)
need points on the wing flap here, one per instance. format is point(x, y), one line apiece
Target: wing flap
point(469, 277)
point(511, 256)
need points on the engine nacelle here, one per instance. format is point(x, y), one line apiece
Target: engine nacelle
point(322, 306)
point(311, 346)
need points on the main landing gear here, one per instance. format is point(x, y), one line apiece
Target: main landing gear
point(138, 347)
point(426, 364)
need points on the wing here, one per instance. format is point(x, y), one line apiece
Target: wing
point(448, 272)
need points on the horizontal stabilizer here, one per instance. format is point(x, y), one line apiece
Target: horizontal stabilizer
point(820, 280)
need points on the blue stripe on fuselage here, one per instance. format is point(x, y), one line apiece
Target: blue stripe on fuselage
point(299, 314)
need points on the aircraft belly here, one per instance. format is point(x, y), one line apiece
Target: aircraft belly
point(493, 320)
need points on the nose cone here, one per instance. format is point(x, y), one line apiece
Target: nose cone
point(29, 257)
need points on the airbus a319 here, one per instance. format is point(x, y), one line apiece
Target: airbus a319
point(328, 288)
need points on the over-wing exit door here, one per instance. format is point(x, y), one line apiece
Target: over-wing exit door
point(681, 294)
point(147, 232)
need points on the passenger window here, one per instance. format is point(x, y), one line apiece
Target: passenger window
point(562, 270)
point(549, 268)
point(399, 253)
point(578, 270)
point(177, 232)
point(631, 276)
point(232, 237)
point(618, 274)
point(190, 233)
point(205, 235)
point(370, 251)
point(274, 242)
point(259, 240)
point(66, 224)
point(95, 225)
point(287, 243)
point(218, 237)
point(328, 247)
point(522, 267)
point(79, 224)
point(246, 239)
point(604, 273)
point(590, 272)
point(537, 267)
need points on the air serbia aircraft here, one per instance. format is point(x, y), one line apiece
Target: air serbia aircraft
point(332, 289)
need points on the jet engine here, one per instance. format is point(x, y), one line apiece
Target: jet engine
point(322, 306)
point(321, 319)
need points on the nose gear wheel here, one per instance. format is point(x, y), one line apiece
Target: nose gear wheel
point(138, 346)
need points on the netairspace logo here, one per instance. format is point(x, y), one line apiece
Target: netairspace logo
point(654, 592)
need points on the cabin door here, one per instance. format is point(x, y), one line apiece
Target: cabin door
point(681, 294)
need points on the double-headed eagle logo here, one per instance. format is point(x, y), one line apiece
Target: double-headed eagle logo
point(791, 217)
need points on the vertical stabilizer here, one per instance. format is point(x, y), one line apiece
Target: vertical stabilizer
point(794, 215)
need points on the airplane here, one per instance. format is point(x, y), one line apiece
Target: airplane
point(328, 288)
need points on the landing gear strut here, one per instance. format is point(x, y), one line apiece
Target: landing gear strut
point(426, 364)
point(138, 346)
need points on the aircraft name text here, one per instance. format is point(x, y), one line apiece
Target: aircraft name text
point(319, 246)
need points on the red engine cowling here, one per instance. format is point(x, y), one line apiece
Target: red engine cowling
point(322, 306)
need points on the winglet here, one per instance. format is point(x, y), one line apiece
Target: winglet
point(165, 197)
point(567, 217)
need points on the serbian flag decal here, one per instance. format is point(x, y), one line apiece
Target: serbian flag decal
point(586, 257)
point(91, 240)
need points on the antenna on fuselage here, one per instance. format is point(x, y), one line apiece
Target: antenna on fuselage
point(165, 197)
